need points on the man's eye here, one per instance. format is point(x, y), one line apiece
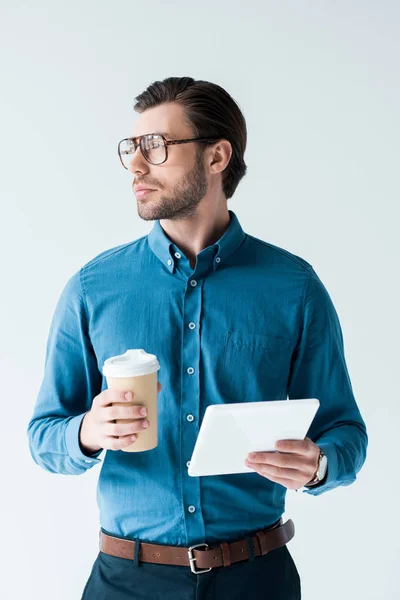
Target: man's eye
point(151, 144)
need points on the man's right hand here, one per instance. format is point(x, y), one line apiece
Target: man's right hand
point(99, 430)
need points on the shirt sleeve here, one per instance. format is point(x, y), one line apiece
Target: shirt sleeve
point(71, 380)
point(319, 370)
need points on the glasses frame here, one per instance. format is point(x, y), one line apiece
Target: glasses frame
point(166, 143)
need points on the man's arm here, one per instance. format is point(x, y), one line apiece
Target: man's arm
point(71, 381)
point(319, 370)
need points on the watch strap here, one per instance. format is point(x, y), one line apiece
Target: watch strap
point(316, 479)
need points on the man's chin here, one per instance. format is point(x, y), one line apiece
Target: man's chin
point(148, 213)
point(147, 216)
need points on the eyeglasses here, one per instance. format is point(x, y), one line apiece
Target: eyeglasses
point(153, 147)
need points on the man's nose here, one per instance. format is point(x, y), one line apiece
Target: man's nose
point(137, 161)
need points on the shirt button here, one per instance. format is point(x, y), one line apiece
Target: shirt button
point(193, 283)
point(169, 261)
point(177, 254)
point(192, 325)
point(190, 370)
point(191, 509)
point(188, 463)
point(190, 418)
point(218, 259)
point(89, 461)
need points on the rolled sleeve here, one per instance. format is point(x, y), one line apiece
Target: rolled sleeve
point(73, 446)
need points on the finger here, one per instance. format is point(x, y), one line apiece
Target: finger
point(280, 472)
point(121, 411)
point(285, 481)
point(117, 443)
point(121, 429)
point(109, 396)
point(294, 446)
point(280, 459)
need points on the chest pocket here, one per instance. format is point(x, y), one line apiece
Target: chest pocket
point(255, 367)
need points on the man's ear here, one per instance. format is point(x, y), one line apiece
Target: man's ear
point(220, 156)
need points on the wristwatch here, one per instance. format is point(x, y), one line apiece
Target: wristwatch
point(321, 470)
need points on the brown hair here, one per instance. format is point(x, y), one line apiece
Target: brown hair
point(211, 112)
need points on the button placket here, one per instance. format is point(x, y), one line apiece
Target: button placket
point(190, 401)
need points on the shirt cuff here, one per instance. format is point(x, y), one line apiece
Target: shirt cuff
point(331, 475)
point(73, 446)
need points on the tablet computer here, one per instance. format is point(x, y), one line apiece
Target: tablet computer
point(229, 432)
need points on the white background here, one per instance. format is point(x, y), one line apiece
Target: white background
point(318, 83)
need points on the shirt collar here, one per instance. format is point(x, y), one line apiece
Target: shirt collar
point(165, 250)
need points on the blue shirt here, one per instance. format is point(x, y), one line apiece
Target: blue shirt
point(252, 322)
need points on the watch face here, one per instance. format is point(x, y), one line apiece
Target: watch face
point(323, 467)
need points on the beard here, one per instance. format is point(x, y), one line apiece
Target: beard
point(182, 202)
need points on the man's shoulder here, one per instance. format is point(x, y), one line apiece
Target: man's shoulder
point(114, 253)
point(279, 254)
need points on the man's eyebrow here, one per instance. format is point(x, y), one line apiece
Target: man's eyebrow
point(164, 133)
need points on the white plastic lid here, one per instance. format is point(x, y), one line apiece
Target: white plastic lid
point(131, 364)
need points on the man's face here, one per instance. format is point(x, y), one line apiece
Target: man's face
point(180, 183)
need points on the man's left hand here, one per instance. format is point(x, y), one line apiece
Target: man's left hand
point(293, 465)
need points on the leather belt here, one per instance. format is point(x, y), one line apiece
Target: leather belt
point(201, 561)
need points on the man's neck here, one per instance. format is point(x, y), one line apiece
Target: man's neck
point(198, 232)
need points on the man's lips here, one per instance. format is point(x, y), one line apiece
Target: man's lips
point(142, 192)
point(141, 188)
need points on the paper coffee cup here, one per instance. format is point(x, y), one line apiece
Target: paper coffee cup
point(136, 372)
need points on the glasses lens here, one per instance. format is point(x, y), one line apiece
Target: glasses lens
point(126, 150)
point(153, 149)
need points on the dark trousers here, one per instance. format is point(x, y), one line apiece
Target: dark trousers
point(273, 576)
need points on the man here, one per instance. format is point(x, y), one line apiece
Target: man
point(231, 318)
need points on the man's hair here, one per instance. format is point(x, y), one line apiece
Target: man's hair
point(211, 113)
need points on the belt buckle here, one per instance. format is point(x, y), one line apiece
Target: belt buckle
point(193, 558)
